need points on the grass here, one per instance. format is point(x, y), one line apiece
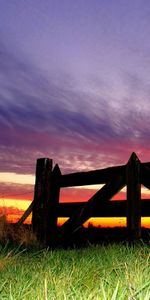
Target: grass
point(19, 235)
point(96, 272)
point(109, 272)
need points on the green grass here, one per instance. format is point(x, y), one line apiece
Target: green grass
point(96, 272)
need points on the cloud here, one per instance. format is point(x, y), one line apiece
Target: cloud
point(81, 128)
point(16, 191)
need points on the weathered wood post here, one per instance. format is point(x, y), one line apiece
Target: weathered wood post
point(53, 206)
point(41, 198)
point(133, 198)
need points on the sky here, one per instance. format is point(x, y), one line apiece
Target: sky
point(74, 87)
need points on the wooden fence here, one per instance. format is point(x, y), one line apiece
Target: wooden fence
point(46, 208)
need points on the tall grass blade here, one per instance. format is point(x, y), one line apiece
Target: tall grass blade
point(114, 296)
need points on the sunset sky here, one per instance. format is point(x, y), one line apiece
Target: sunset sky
point(74, 87)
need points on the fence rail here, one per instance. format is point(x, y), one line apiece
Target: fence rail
point(100, 176)
point(46, 207)
point(115, 208)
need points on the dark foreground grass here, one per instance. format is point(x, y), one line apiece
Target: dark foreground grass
point(97, 272)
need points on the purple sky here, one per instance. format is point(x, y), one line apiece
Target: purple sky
point(74, 83)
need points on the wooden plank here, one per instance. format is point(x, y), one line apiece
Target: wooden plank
point(145, 207)
point(145, 175)
point(103, 195)
point(25, 214)
point(99, 176)
point(41, 198)
point(113, 208)
point(133, 198)
point(53, 206)
point(146, 164)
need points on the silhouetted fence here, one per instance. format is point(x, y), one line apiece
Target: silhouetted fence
point(46, 208)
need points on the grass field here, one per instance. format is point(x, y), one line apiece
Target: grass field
point(107, 272)
point(96, 272)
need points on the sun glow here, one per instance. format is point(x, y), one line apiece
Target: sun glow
point(108, 222)
point(14, 208)
point(19, 204)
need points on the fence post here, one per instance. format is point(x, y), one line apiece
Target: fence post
point(41, 198)
point(133, 198)
point(53, 206)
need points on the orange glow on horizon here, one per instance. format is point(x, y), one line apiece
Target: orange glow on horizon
point(96, 222)
point(13, 209)
point(109, 222)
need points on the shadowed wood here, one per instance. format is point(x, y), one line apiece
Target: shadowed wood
point(41, 198)
point(145, 175)
point(91, 177)
point(146, 164)
point(113, 208)
point(46, 208)
point(133, 197)
point(103, 195)
point(53, 205)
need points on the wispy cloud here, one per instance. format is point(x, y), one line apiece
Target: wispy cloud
point(80, 128)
